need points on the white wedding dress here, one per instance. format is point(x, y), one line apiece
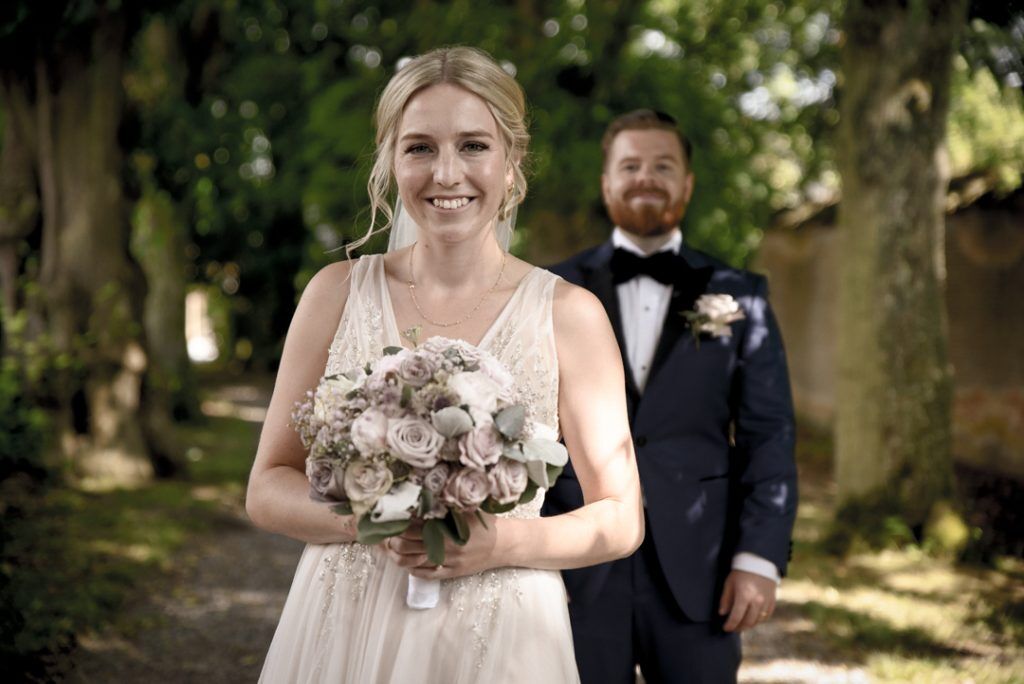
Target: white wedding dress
point(346, 621)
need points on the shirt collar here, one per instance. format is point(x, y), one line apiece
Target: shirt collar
point(621, 240)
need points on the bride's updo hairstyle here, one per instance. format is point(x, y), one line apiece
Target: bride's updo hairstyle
point(470, 69)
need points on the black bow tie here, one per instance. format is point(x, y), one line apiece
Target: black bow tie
point(665, 267)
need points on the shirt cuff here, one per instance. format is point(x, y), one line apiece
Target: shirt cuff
point(749, 562)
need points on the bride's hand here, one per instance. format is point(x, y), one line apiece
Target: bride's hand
point(408, 550)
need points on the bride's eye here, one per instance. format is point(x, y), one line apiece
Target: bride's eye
point(474, 146)
point(418, 148)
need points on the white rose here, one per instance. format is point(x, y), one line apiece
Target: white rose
point(717, 305)
point(414, 441)
point(330, 393)
point(475, 389)
point(369, 432)
point(497, 372)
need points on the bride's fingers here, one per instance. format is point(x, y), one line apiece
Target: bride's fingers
point(406, 546)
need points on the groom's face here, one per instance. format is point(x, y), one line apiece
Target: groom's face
point(646, 183)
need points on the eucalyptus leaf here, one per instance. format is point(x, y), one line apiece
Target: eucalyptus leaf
point(493, 507)
point(343, 508)
point(546, 450)
point(451, 421)
point(510, 421)
point(370, 532)
point(391, 351)
point(528, 493)
point(514, 452)
point(461, 526)
point(433, 538)
point(538, 473)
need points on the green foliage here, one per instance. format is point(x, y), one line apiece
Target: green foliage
point(986, 127)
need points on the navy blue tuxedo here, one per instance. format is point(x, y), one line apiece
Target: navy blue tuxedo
point(714, 436)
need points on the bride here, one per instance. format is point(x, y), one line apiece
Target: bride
point(451, 135)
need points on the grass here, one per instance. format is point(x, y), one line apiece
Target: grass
point(901, 615)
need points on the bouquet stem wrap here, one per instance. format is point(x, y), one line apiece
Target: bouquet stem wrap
point(423, 594)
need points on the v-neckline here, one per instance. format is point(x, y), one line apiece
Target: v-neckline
point(392, 322)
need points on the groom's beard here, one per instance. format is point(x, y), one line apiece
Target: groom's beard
point(647, 218)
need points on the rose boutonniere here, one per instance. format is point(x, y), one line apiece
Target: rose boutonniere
point(712, 314)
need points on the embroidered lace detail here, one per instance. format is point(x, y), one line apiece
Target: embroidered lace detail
point(483, 595)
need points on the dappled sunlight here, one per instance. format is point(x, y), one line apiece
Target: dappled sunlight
point(222, 408)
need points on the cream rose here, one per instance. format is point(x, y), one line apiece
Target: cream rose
point(365, 482)
point(414, 441)
point(475, 389)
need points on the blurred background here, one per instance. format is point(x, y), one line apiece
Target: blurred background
point(173, 173)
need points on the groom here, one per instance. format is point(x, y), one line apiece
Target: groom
point(712, 421)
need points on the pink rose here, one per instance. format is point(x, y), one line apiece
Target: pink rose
point(414, 441)
point(480, 447)
point(369, 432)
point(417, 369)
point(508, 480)
point(435, 478)
point(325, 481)
point(466, 490)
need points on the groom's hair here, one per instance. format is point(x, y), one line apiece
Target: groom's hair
point(644, 120)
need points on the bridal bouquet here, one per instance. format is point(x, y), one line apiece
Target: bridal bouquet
point(430, 434)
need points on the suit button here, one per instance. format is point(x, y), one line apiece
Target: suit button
point(640, 440)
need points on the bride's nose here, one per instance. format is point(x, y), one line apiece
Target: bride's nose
point(447, 168)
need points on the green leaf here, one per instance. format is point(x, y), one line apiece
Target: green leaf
point(407, 391)
point(480, 517)
point(343, 508)
point(510, 421)
point(434, 532)
point(426, 501)
point(493, 507)
point(461, 527)
point(528, 493)
point(369, 532)
point(391, 351)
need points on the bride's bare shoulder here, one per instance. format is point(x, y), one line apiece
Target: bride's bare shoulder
point(575, 307)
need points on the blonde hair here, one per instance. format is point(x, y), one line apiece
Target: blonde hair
point(473, 70)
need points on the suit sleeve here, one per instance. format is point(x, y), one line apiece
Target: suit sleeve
point(764, 436)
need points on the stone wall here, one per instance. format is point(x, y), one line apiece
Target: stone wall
point(985, 300)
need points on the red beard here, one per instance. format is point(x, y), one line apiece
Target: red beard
point(648, 218)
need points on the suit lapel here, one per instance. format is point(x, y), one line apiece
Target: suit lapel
point(597, 277)
point(693, 282)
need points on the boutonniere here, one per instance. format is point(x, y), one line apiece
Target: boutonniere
point(712, 314)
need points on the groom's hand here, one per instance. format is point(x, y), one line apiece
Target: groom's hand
point(748, 599)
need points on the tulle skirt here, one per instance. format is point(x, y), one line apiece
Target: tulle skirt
point(345, 621)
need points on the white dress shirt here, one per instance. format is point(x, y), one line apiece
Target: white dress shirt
point(643, 305)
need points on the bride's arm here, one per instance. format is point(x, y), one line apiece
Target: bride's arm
point(595, 426)
point(277, 498)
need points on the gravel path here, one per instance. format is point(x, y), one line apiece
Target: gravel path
point(214, 622)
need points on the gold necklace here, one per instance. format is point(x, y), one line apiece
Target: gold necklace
point(411, 283)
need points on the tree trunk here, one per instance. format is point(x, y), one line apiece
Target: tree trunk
point(895, 385)
point(94, 293)
point(158, 245)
